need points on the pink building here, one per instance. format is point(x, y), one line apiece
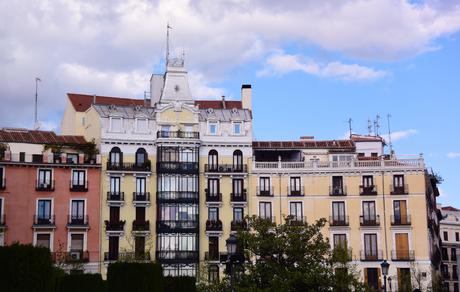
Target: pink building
point(49, 195)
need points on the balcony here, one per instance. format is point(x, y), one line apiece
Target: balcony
point(115, 198)
point(177, 256)
point(116, 226)
point(71, 257)
point(399, 190)
point(226, 168)
point(238, 225)
point(212, 256)
point(178, 134)
point(402, 255)
point(368, 190)
point(369, 220)
point(44, 186)
point(341, 220)
point(51, 158)
point(371, 255)
point(214, 225)
point(111, 256)
point(141, 226)
point(44, 222)
point(3, 184)
point(177, 167)
point(78, 186)
point(264, 192)
point(77, 221)
point(129, 166)
point(337, 191)
point(400, 220)
point(176, 226)
point(177, 196)
point(238, 197)
point(141, 198)
point(296, 192)
point(296, 220)
point(213, 198)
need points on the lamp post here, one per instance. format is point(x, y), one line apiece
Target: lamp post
point(385, 266)
point(231, 243)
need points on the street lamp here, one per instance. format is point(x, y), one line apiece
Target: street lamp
point(231, 243)
point(385, 266)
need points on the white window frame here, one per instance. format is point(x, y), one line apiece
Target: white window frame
point(69, 239)
point(78, 199)
point(136, 126)
point(79, 169)
point(301, 208)
point(111, 125)
point(51, 234)
point(47, 199)
point(38, 175)
point(208, 130)
point(241, 123)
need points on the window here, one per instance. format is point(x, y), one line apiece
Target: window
point(237, 128)
point(115, 184)
point(446, 236)
point(76, 242)
point(212, 128)
point(213, 160)
point(141, 157)
point(369, 211)
point(453, 254)
point(238, 214)
point(78, 211)
point(175, 212)
point(237, 186)
point(294, 186)
point(238, 160)
point(340, 240)
point(371, 276)
point(44, 178)
point(72, 158)
point(139, 247)
point(264, 186)
point(398, 184)
point(368, 181)
point(213, 273)
point(113, 248)
point(337, 185)
point(140, 185)
point(44, 212)
point(142, 125)
point(2, 177)
point(374, 154)
point(43, 240)
point(1, 212)
point(445, 255)
point(78, 178)
point(370, 246)
point(213, 186)
point(265, 210)
point(295, 210)
point(116, 124)
point(338, 211)
point(213, 248)
point(400, 212)
point(213, 214)
point(115, 157)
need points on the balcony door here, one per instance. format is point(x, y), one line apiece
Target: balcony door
point(264, 185)
point(265, 210)
point(115, 157)
point(141, 157)
point(238, 160)
point(44, 212)
point(115, 184)
point(139, 247)
point(340, 240)
point(400, 211)
point(78, 211)
point(44, 178)
point(294, 186)
point(213, 186)
point(140, 185)
point(213, 158)
point(402, 245)
point(338, 211)
point(238, 214)
point(369, 211)
point(237, 187)
point(114, 214)
point(370, 246)
point(295, 210)
point(213, 248)
point(78, 178)
point(398, 181)
point(368, 181)
point(113, 247)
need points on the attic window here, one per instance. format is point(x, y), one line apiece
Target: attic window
point(234, 111)
point(142, 125)
point(210, 111)
point(116, 124)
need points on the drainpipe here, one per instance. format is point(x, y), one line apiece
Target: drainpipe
point(279, 186)
point(384, 214)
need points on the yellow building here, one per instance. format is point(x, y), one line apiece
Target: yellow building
point(180, 175)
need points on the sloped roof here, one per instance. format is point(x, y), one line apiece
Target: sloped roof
point(366, 138)
point(310, 144)
point(125, 111)
point(13, 135)
point(218, 104)
point(82, 102)
point(449, 208)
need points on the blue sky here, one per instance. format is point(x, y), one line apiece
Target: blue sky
point(312, 64)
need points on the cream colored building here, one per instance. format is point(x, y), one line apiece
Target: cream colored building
point(450, 235)
point(206, 174)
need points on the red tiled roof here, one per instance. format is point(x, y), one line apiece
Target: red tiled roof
point(449, 208)
point(82, 102)
point(310, 144)
point(38, 137)
point(218, 104)
point(366, 138)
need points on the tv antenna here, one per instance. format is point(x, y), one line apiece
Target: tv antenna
point(377, 125)
point(369, 126)
point(350, 121)
point(168, 27)
point(36, 125)
point(389, 135)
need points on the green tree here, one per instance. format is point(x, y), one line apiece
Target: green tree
point(294, 256)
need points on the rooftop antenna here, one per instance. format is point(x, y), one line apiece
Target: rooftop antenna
point(389, 135)
point(36, 125)
point(369, 126)
point(350, 126)
point(168, 27)
point(377, 125)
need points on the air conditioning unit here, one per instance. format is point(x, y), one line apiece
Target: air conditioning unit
point(75, 255)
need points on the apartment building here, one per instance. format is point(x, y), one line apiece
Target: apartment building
point(450, 235)
point(49, 195)
point(199, 159)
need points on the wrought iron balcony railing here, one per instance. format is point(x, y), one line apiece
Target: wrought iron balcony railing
point(400, 220)
point(44, 186)
point(141, 225)
point(178, 134)
point(238, 225)
point(213, 225)
point(116, 196)
point(337, 190)
point(371, 255)
point(77, 221)
point(78, 186)
point(213, 197)
point(264, 192)
point(226, 168)
point(129, 166)
point(341, 220)
point(73, 256)
point(44, 221)
point(369, 220)
point(114, 225)
point(296, 192)
point(399, 190)
point(368, 190)
point(238, 197)
point(402, 255)
point(141, 197)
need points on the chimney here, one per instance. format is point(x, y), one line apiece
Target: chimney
point(246, 95)
point(94, 98)
point(223, 102)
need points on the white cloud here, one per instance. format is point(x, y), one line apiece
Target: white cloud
point(280, 64)
point(453, 155)
point(399, 135)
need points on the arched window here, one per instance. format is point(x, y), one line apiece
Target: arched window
point(115, 157)
point(141, 157)
point(238, 160)
point(213, 163)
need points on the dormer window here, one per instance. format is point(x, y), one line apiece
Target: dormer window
point(237, 128)
point(142, 125)
point(212, 128)
point(116, 124)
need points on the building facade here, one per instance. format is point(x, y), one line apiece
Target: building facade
point(450, 235)
point(49, 195)
point(199, 173)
